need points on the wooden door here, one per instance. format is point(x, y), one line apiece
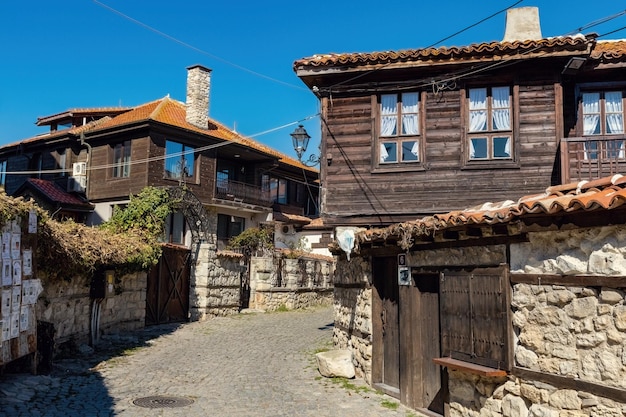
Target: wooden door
point(385, 326)
point(425, 385)
point(167, 293)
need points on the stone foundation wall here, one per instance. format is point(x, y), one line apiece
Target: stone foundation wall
point(66, 304)
point(567, 331)
point(353, 312)
point(278, 298)
point(474, 396)
point(215, 283)
point(277, 282)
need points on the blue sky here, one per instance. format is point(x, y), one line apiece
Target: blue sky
point(58, 55)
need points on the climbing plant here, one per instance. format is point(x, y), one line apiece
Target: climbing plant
point(147, 211)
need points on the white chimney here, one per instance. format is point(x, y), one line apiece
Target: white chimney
point(522, 24)
point(198, 89)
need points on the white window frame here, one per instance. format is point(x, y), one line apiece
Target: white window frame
point(399, 129)
point(489, 124)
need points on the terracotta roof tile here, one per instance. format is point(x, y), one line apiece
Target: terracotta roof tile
point(478, 50)
point(609, 49)
point(170, 112)
point(56, 194)
point(606, 193)
point(173, 113)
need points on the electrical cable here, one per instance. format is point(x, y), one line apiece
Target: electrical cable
point(596, 22)
point(444, 39)
point(173, 155)
point(200, 51)
point(612, 32)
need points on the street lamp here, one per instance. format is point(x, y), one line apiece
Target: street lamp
point(300, 139)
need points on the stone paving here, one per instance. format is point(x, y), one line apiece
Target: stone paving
point(259, 364)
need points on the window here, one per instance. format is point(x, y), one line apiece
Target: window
point(227, 227)
point(3, 173)
point(277, 188)
point(175, 228)
point(489, 124)
point(121, 159)
point(179, 161)
point(603, 114)
point(399, 128)
point(62, 154)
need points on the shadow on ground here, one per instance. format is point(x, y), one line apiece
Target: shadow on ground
point(72, 381)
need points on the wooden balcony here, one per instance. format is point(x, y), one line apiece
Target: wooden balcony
point(242, 193)
point(592, 157)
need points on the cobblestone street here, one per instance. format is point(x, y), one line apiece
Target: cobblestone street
point(258, 364)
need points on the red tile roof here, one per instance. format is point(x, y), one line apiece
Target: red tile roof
point(609, 50)
point(606, 193)
point(56, 194)
point(41, 121)
point(578, 43)
point(170, 112)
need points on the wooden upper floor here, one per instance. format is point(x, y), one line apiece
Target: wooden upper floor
point(114, 155)
point(411, 133)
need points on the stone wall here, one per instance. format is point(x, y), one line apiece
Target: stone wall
point(566, 331)
point(215, 282)
point(67, 305)
point(353, 312)
point(563, 331)
point(277, 282)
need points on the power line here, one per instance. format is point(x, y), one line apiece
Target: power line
point(172, 155)
point(612, 32)
point(194, 48)
point(597, 22)
point(439, 41)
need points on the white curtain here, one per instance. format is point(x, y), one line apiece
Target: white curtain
point(501, 108)
point(478, 109)
point(472, 150)
point(389, 114)
point(415, 149)
point(507, 147)
point(614, 112)
point(383, 153)
point(591, 113)
point(410, 121)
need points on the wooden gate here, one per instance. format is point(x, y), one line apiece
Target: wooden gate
point(167, 294)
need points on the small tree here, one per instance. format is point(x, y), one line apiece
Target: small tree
point(252, 239)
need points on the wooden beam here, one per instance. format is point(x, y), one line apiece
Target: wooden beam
point(570, 280)
point(563, 382)
point(470, 368)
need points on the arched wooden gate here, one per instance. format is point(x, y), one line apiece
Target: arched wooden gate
point(168, 287)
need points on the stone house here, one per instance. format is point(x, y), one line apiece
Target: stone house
point(415, 133)
point(514, 308)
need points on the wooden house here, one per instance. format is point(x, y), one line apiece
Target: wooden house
point(415, 132)
point(103, 155)
point(92, 160)
point(479, 311)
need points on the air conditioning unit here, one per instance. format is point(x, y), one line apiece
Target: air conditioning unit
point(79, 168)
point(77, 184)
point(288, 229)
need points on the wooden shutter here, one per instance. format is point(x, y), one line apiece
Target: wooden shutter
point(474, 316)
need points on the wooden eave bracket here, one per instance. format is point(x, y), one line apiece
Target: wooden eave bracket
point(470, 368)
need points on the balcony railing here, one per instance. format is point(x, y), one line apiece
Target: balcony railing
point(242, 192)
point(588, 158)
